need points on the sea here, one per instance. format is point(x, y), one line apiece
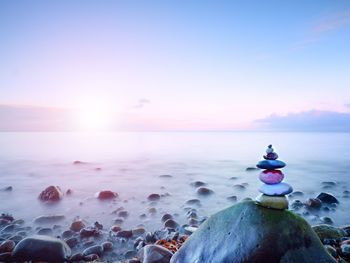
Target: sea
point(137, 164)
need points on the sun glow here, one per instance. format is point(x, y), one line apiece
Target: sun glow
point(95, 116)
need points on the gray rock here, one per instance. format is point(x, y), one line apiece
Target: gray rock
point(153, 197)
point(165, 217)
point(97, 249)
point(170, 223)
point(204, 191)
point(45, 232)
point(196, 202)
point(155, 254)
point(250, 233)
point(41, 248)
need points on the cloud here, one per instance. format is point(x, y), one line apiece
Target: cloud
point(320, 28)
point(311, 121)
point(141, 103)
point(34, 118)
point(332, 22)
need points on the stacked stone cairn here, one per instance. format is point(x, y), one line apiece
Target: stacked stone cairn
point(273, 191)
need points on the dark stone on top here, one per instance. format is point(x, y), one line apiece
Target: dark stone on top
point(51, 193)
point(327, 198)
point(270, 164)
point(41, 248)
point(246, 232)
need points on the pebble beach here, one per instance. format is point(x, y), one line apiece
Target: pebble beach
point(109, 210)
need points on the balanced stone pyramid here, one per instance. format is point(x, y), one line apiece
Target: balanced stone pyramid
point(273, 191)
point(261, 231)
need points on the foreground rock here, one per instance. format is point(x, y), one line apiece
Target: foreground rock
point(41, 248)
point(247, 232)
point(51, 193)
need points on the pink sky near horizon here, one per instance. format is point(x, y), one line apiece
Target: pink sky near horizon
point(168, 66)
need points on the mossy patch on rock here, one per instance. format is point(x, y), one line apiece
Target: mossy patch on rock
point(247, 232)
point(327, 231)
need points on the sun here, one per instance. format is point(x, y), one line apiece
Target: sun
point(95, 117)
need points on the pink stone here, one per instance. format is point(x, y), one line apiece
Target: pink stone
point(271, 176)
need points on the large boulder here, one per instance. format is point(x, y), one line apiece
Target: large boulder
point(41, 248)
point(247, 232)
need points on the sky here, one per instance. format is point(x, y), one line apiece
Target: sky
point(174, 65)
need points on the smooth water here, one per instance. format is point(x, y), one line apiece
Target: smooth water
point(131, 164)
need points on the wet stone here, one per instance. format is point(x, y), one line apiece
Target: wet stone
point(138, 231)
point(51, 193)
point(313, 203)
point(123, 214)
point(45, 231)
point(124, 233)
point(77, 225)
point(165, 217)
point(107, 246)
point(327, 198)
point(130, 254)
point(296, 205)
point(97, 249)
point(153, 197)
point(49, 219)
point(326, 220)
point(7, 246)
point(170, 223)
point(106, 195)
point(67, 234)
point(203, 191)
point(72, 242)
point(239, 187)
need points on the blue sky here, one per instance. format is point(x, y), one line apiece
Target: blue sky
point(172, 65)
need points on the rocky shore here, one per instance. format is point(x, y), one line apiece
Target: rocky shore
point(48, 239)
